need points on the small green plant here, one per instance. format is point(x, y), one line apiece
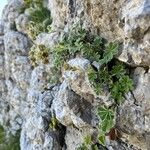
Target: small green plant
point(54, 124)
point(9, 142)
point(113, 78)
point(40, 21)
point(39, 18)
point(77, 42)
point(106, 115)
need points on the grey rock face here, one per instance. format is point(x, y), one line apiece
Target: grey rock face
point(77, 78)
point(137, 33)
point(71, 108)
point(74, 137)
point(36, 133)
point(28, 102)
point(21, 23)
point(10, 13)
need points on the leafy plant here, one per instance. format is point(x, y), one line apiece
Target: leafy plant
point(39, 18)
point(120, 87)
point(39, 22)
point(109, 53)
point(77, 42)
point(113, 78)
point(9, 142)
point(107, 122)
point(54, 123)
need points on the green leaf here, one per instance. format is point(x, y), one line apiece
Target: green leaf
point(121, 87)
point(101, 139)
point(109, 53)
point(118, 71)
point(83, 147)
point(95, 147)
point(88, 140)
point(107, 118)
point(92, 75)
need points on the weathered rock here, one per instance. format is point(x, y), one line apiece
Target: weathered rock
point(27, 103)
point(16, 42)
point(137, 33)
point(1, 28)
point(71, 108)
point(77, 78)
point(10, 13)
point(47, 39)
point(22, 23)
point(1, 45)
point(75, 137)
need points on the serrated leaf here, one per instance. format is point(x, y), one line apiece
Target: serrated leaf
point(118, 71)
point(109, 53)
point(107, 118)
point(88, 140)
point(95, 147)
point(101, 139)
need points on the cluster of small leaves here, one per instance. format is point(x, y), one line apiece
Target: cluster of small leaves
point(9, 142)
point(39, 18)
point(33, 3)
point(79, 41)
point(76, 42)
point(54, 124)
point(106, 117)
point(39, 53)
point(113, 78)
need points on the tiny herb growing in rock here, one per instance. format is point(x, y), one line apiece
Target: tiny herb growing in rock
point(107, 122)
point(53, 123)
point(9, 142)
point(110, 76)
point(39, 18)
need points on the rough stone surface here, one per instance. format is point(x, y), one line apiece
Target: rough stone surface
point(71, 108)
point(28, 102)
point(77, 78)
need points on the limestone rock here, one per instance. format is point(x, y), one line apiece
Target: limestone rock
point(47, 39)
point(28, 102)
point(74, 137)
point(77, 77)
point(137, 34)
point(22, 23)
point(71, 108)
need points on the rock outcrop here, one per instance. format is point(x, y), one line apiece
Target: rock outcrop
point(28, 102)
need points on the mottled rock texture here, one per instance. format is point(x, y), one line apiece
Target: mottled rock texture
point(27, 100)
